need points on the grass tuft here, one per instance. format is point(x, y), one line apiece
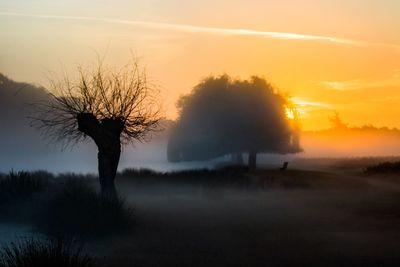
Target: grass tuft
point(20, 186)
point(226, 176)
point(74, 208)
point(39, 253)
point(18, 190)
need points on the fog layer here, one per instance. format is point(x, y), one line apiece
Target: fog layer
point(23, 148)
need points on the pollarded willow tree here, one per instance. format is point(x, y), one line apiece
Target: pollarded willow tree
point(112, 107)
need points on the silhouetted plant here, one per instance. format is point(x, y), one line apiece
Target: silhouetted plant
point(43, 253)
point(18, 190)
point(227, 176)
point(109, 106)
point(224, 116)
point(384, 168)
point(337, 122)
point(131, 173)
point(73, 208)
point(23, 184)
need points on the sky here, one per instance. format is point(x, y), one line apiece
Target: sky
point(328, 56)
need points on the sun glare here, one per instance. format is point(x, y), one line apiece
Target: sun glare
point(290, 113)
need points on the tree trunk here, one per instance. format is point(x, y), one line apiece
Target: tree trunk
point(108, 164)
point(252, 160)
point(106, 134)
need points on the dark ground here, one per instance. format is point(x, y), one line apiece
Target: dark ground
point(274, 218)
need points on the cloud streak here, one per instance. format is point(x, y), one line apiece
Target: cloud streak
point(303, 103)
point(357, 84)
point(206, 30)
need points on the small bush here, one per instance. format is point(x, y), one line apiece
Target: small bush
point(226, 176)
point(77, 176)
point(18, 189)
point(35, 253)
point(74, 208)
point(142, 172)
point(19, 186)
point(384, 168)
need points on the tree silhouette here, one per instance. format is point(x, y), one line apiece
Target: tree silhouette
point(337, 122)
point(225, 116)
point(112, 107)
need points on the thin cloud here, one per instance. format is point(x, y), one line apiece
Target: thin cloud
point(357, 84)
point(306, 106)
point(208, 30)
point(301, 102)
point(343, 85)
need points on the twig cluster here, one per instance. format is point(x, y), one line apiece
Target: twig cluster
point(105, 93)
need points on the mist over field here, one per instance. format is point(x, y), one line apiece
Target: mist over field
point(322, 211)
point(211, 133)
point(24, 148)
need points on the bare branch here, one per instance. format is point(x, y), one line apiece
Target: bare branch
point(104, 93)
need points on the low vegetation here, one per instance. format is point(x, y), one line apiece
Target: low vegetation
point(17, 192)
point(20, 186)
point(74, 208)
point(384, 168)
point(225, 176)
point(45, 253)
point(63, 205)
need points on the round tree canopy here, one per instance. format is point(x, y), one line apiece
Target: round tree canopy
point(223, 116)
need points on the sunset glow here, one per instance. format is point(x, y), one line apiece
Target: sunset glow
point(290, 114)
point(328, 56)
point(199, 133)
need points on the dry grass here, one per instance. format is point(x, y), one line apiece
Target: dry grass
point(38, 253)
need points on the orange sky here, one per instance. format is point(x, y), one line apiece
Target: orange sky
point(328, 55)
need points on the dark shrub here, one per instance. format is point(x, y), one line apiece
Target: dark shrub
point(142, 172)
point(35, 253)
point(18, 190)
point(224, 176)
point(74, 208)
point(70, 175)
point(19, 186)
point(384, 168)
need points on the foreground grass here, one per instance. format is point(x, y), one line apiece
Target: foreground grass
point(72, 207)
point(185, 219)
point(18, 190)
point(39, 253)
point(64, 205)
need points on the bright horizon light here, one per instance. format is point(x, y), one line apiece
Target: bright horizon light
point(330, 56)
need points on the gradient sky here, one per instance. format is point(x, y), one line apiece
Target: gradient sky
point(341, 55)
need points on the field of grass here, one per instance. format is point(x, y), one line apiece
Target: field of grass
point(236, 217)
point(324, 217)
point(64, 205)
